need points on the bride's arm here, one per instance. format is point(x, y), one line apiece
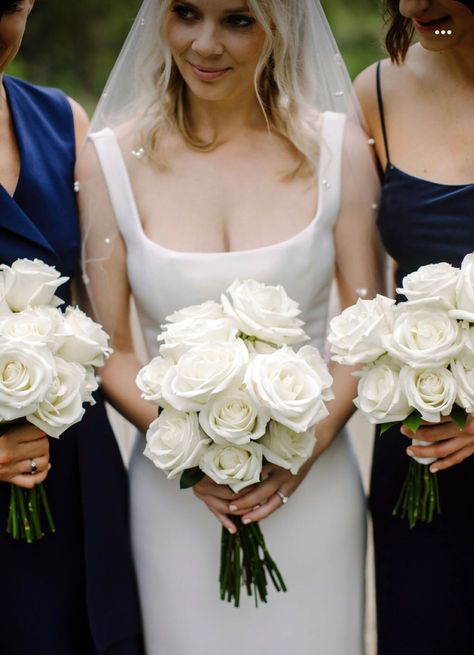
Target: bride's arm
point(108, 291)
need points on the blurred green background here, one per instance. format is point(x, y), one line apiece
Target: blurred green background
point(72, 44)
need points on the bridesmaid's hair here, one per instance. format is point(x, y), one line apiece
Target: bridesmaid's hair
point(400, 32)
point(279, 83)
point(6, 6)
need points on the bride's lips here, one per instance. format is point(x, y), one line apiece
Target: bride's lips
point(208, 74)
point(424, 25)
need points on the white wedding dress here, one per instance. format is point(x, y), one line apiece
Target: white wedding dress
point(318, 538)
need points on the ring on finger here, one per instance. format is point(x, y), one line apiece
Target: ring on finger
point(284, 499)
point(34, 467)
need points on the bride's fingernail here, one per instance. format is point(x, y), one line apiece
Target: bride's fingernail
point(231, 531)
point(246, 521)
point(410, 452)
point(233, 508)
point(434, 469)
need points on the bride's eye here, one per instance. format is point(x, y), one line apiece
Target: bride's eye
point(184, 12)
point(240, 21)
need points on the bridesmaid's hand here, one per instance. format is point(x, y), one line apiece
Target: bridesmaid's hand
point(18, 447)
point(451, 445)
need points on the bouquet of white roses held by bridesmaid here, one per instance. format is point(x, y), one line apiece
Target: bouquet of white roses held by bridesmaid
point(232, 393)
point(47, 361)
point(418, 359)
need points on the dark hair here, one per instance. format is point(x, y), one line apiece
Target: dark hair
point(7, 5)
point(400, 31)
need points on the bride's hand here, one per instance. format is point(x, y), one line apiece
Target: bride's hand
point(264, 498)
point(451, 445)
point(217, 498)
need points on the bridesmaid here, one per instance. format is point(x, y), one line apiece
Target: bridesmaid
point(419, 106)
point(72, 593)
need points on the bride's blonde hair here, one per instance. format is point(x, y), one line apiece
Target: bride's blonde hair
point(283, 80)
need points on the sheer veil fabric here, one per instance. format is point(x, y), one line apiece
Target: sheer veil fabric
point(323, 84)
point(319, 538)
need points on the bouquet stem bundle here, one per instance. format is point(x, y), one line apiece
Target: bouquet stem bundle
point(419, 498)
point(245, 555)
point(25, 513)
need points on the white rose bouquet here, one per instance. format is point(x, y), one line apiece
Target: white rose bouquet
point(418, 359)
point(231, 394)
point(46, 371)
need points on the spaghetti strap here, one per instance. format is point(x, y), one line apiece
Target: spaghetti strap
point(381, 112)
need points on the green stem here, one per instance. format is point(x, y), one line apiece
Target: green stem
point(47, 510)
point(419, 498)
point(24, 519)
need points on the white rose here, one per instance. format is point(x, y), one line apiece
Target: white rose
point(91, 384)
point(85, 341)
point(208, 310)
point(62, 406)
point(180, 337)
point(265, 312)
point(356, 334)
point(289, 388)
point(204, 372)
point(380, 396)
point(4, 308)
point(312, 357)
point(235, 466)
point(432, 281)
point(466, 356)
point(35, 325)
point(26, 374)
point(431, 391)
point(464, 378)
point(31, 283)
point(150, 378)
point(287, 448)
point(232, 417)
point(465, 291)
point(175, 442)
point(257, 347)
point(424, 338)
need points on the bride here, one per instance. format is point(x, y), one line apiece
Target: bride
point(227, 145)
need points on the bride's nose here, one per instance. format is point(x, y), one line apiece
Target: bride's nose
point(207, 40)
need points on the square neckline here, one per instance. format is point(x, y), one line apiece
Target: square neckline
point(220, 253)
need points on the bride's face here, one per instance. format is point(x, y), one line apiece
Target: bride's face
point(12, 27)
point(216, 45)
point(440, 24)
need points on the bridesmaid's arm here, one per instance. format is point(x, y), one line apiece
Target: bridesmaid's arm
point(81, 124)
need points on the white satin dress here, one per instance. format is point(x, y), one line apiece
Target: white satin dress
point(318, 537)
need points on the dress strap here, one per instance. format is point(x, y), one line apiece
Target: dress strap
point(381, 112)
point(117, 181)
point(330, 166)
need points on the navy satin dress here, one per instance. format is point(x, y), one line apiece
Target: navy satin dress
point(424, 575)
point(73, 592)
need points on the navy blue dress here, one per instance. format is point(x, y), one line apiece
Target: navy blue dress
point(73, 592)
point(424, 575)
